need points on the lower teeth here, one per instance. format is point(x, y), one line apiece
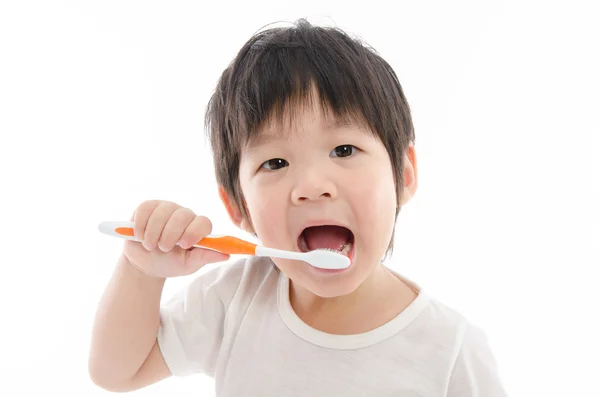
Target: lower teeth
point(345, 248)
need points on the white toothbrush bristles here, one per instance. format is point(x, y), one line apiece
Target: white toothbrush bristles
point(321, 258)
point(327, 259)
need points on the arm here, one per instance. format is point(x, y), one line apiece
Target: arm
point(124, 353)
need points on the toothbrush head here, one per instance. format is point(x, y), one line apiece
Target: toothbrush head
point(325, 258)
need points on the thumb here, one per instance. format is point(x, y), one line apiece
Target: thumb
point(197, 257)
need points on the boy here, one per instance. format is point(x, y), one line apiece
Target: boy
point(314, 147)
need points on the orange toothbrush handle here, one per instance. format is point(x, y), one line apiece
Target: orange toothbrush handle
point(228, 245)
point(124, 231)
point(224, 244)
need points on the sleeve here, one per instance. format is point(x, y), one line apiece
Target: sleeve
point(192, 321)
point(475, 372)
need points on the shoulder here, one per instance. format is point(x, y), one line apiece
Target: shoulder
point(251, 270)
point(226, 280)
point(445, 327)
point(473, 365)
point(444, 317)
point(440, 320)
point(475, 371)
point(461, 332)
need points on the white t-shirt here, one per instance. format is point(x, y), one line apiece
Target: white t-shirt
point(235, 324)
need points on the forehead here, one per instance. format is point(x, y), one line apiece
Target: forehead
point(290, 127)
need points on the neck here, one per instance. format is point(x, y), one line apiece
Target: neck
point(378, 299)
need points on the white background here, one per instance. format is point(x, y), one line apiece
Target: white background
point(101, 107)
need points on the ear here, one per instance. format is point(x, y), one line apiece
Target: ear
point(234, 212)
point(410, 174)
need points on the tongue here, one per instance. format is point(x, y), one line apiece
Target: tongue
point(326, 237)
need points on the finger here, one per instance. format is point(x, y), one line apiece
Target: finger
point(199, 228)
point(141, 216)
point(198, 257)
point(174, 228)
point(156, 223)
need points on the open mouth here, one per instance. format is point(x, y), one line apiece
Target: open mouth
point(331, 237)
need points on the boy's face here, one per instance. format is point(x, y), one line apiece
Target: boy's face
point(312, 173)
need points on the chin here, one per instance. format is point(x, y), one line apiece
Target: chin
point(328, 287)
point(327, 283)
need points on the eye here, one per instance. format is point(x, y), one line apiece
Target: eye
point(344, 150)
point(274, 164)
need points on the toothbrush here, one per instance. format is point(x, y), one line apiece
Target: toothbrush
point(323, 258)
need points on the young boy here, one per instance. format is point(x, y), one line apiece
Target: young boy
point(314, 147)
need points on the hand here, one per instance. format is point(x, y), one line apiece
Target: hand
point(161, 225)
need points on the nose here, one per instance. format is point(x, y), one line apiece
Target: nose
point(312, 187)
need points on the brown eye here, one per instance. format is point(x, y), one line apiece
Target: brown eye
point(274, 164)
point(344, 150)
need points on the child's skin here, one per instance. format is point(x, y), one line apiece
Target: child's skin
point(321, 179)
point(353, 186)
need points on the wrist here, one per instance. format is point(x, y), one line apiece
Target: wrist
point(131, 270)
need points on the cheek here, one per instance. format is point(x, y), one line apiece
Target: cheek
point(267, 212)
point(375, 201)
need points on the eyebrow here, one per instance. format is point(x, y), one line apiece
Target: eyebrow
point(261, 139)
